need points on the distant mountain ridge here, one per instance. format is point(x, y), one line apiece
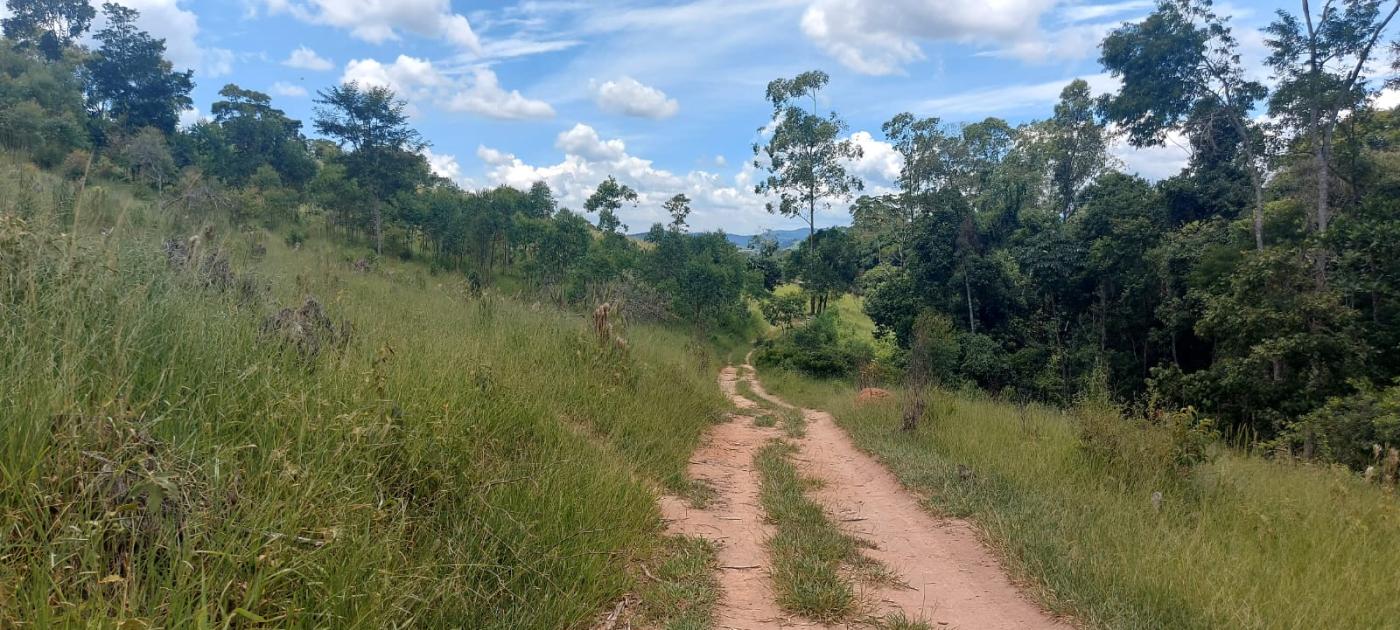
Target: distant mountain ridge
point(785, 238)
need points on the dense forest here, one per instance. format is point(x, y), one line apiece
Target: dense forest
point(1259, 287)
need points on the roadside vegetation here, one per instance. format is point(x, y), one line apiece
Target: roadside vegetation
point(1118, 523)
point(173, 454)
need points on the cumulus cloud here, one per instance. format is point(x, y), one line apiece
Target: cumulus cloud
point(420, 81)
point(378, 21)
point(446, 166)
point(720, 202)
point(1154, 163)
point(484, 95)
point(630, 97)
point(881, 36)
point(306, 59)
point(179, 27)
point(282, 88)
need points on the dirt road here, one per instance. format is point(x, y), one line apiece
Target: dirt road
point(949, 579)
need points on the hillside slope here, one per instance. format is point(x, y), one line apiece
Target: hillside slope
point(391, 451)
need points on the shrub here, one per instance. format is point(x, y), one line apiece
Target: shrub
point(817, 348)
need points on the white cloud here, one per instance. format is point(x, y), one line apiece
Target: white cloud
point(418, 80)
point(881, 36)
point(378, 21)
point(630, 97)
point(584, 141)
point(306, 59)
point(179, 27)
point(484, 95)
point(1387, 99)
point(879, 163)
point(1011, 98)
point(1154, 163)
point(282, 88)
point(1089, 12)
point(446, 166)
point(407, 76)
point(189, 117)
point(720, 202)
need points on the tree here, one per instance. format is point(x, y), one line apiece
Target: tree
point(922, 143)
point(679, 208)
point(805, 155)
point(542, 203)
point(606, 200)
point(1321, 63)
point(385, 151)
point(1077, 146)
point(1181, 61)
point(149, 157)
point(50, 26)
point(258, 134)
point(129, 79)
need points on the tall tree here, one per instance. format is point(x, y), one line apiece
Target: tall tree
point(384, 150)
point(1181, 60)
point(805, 154)
point(50, 26)
point(607, 200)
point(1321, 62)
point(1077, 146)
point(679, 208)
point(129, 78)
point(259, 134)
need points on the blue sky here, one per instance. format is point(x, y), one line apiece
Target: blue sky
point(667, 96)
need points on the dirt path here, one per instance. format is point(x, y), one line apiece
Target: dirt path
point(950, 580)
point(734, 520)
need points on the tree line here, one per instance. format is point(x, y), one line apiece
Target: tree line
point(1259, 286)
point(113, 111)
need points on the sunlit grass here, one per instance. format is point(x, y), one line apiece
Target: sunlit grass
point(465, 462)
point(1239, 543)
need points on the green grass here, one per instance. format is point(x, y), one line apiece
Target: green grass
point(463, 462)
point(769, 414)
point(811, 557)
point(1241, 542)
point(680, 591)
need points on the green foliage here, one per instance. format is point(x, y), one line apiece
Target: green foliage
point(819, 347)
point(1089, 541)
point(48, 26)
point(129, 79)
point(606, 200)
point(804, 155)
point(216, 478)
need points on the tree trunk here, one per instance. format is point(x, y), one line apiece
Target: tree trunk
point(971, 319)
point(378, 228)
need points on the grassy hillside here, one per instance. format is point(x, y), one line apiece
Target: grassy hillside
point(168, 457)
point(1240, 542)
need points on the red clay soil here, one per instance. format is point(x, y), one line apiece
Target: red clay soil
point(948, 577)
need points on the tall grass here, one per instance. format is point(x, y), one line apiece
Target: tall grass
point(1238, 542)
point(464, 462)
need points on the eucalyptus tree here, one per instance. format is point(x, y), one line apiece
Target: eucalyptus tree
point(1182, 61)
point(805, 154)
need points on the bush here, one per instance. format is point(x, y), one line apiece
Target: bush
point(1348, 429)
point(817, 348)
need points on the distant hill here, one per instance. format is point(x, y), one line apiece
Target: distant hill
point(785, 238)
